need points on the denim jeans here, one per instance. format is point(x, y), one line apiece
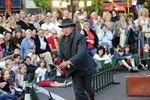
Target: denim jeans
point(92, 51)
point(7, 96)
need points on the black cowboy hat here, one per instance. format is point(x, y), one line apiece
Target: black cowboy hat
point(67, 22)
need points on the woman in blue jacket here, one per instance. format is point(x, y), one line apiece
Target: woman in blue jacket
point(27, 45)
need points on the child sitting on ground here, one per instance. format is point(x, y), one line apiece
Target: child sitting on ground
point(9, 65)
point(40, 76)
point(123, 60)
point(145, 55)
point(2, 84)
point(16, 61)
point(129, 57)
point(101, 55)
point(7, 88)
point(20, 75)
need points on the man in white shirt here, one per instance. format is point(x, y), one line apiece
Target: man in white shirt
point(47, 25)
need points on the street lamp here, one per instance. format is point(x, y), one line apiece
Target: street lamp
point(64, 4)
point(56, 3)
point(81, 4)
point(84, 3)
point(89, 3)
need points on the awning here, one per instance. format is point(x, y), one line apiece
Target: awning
point(119, 6)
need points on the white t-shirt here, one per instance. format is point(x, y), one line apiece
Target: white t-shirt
point(41, 73)
point(48, 26)
point(2, 64)
point(107, 58)
point(15, 67)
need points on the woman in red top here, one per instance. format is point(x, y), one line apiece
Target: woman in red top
point(53, 42)
point(92, 39)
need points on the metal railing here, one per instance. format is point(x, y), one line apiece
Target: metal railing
point(102, 77)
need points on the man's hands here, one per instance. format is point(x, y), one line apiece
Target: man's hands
point(63, 65)
point(90, 41)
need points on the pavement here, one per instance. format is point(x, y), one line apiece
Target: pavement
point(113, 92)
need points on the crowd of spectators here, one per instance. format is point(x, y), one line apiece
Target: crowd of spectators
point(29, 43)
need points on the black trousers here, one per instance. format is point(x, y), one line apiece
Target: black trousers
point(82, 85)
point(115, 41)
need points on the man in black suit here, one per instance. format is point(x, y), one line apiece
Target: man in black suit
point(73, 55)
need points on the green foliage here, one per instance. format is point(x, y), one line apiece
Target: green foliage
point(96, 6)
point(44, 4)
point(47, 5)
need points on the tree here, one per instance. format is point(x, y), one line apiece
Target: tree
point(96, 6)
point(44, 4)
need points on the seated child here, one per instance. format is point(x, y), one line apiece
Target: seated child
point(2, 59)
point(40, 74)
point(116, 50)
point(16, 61)
point(9, 65)
point(129, 57)
point(30, 69)
point(2, 84)
point(7, 88)
point(34, 59)
point(101, 55)
point(20, 75)
point(123, 60)
point(145, 55)
point(3, 94)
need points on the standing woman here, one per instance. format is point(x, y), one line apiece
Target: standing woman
point(114, 16)
point(109, 23)
point(132, 35)
point(27, 45)
point(143, 19)
point(91, 38)
point(98, 24)
point(120, 27)
point(143, 23)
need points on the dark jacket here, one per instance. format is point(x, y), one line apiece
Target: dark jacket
point(133, 33)
point(38, 44)
point(31, 68)
point(2, 30)
point(27, 26)
point(77, 54)
point(114, 19)
point(6, 87)
point(78, 27)
point(16, 41)
point(95, 36)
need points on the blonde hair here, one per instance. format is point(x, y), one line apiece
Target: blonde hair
point(93, 14)
point(5, 70)
point(28, 31)
point(108, 14)
point(7, 62)
point(20, 67)
point(122, 15)
point(145, 11)
point(104, 14)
